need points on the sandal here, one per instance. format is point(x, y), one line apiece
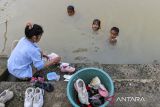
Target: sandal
point(46, 86)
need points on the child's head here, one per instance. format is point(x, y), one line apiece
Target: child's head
point(114, 32)
point(33, 32)
point(70, 10)
point(96, 24)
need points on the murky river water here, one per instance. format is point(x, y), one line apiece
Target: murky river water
point(73, 38)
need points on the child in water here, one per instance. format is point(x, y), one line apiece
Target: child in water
point(70, 10)
point(96, 24)
point(114, 32)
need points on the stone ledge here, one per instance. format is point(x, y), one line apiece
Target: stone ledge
point(58, 98)
point(130, 80)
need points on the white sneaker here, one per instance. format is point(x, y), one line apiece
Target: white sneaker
point(38, 97)
point(82, 91)
point(5, 96)
point(29, 97)
point(2, 105)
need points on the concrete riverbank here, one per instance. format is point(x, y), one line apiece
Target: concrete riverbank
point(131, 82)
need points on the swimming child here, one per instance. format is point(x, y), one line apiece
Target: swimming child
point(114, 32)
point(70, 10)
point(96, 24)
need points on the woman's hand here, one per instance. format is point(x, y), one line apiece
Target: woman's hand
point(44, 55)
point(53, 61)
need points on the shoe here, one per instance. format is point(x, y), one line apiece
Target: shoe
point(65, 67)
point(34, 80)
point(52, 56)
point(96, 102)
point(66, 80)
point(2, 105)
point(80, 87)
point(38, 97)
point(102, 91)
point(94, 97)
point(29, 97)
point(95, 83)
point(41, 79)
point(46, 86)
point(67, 76)
point(5, 96)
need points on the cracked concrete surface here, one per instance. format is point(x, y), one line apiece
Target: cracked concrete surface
point(133, 80)
point(5, 37)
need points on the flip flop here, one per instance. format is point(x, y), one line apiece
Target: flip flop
point(33, 80)
point(46, 86)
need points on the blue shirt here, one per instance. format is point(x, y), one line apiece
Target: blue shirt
point(22, 57)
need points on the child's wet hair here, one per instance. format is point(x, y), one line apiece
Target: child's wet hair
point(97, 21)
point(35, 30)
point(70, 7)
point(116, 29)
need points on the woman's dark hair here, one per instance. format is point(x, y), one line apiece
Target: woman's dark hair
point(70, 7)
point(97, 21)
point(116, 29)
point(34, 30)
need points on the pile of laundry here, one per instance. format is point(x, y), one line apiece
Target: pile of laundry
point(91, 95)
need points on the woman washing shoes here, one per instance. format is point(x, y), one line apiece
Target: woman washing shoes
point(27, 54)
